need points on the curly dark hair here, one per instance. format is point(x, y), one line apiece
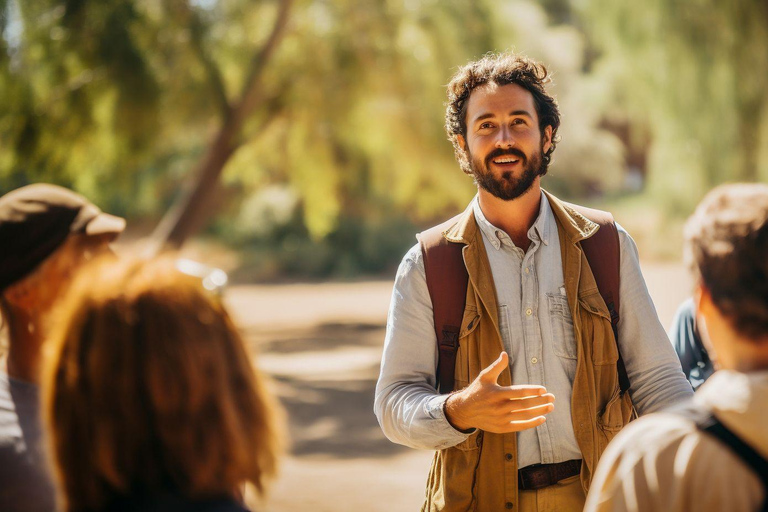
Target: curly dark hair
point(727, 248)
point(501, 69)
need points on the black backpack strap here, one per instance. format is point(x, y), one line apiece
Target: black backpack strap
point(603, 252)
point(711, 425)
point(447, 281)
point(707, 422)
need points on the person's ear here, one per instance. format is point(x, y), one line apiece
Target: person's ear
point(547, 142)
point(702, 299)
point(461, 141)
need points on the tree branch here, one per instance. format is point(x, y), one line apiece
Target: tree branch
point(250, 93)
point(197, 34)
point(193, 206)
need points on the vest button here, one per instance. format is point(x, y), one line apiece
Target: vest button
point(509, 504)
point(508, 456)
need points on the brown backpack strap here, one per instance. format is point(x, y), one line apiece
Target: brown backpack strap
point(603, 253)
point(447, 280)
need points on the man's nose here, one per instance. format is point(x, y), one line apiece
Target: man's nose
point(504, 138)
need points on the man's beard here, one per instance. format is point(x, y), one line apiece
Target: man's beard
point(508, 187)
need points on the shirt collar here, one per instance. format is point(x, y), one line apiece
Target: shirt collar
point(540, 230)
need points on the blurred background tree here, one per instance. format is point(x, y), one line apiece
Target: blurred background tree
point(324, 119)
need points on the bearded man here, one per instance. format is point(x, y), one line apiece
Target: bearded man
point(535, 388)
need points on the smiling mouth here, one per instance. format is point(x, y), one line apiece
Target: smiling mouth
point(505, 160)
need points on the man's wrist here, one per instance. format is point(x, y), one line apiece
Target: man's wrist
point(449, 408)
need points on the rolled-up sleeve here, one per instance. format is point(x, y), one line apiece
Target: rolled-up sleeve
point(655, 376)
point(407, 405)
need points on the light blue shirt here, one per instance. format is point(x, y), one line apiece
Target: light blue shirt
point(537, 332)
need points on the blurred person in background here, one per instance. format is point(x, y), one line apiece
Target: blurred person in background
point(693, 355)
point(710, 454)
point(47, 233)
point(150, 396)
point(534, 324)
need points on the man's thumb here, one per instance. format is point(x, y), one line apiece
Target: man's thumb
point(491, 374)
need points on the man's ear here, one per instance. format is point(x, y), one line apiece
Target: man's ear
point(461, 141)
point(702, 299)
point(547, 142)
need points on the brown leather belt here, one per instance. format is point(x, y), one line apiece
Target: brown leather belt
point(539, 476)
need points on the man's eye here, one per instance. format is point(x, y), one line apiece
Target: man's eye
point(518, 121)
point(486, 126)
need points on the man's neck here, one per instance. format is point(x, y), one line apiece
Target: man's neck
point(749, 355)
point(514, 217)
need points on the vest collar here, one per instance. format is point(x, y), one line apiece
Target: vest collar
point(575, 226)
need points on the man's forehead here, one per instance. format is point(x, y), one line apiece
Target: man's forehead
point(499, 99)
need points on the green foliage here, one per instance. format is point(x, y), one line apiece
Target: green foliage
point(119, 99)
point(693, 74)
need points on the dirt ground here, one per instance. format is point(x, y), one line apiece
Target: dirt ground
point(322, 344)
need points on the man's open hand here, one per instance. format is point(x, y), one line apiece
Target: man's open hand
point(499, 409)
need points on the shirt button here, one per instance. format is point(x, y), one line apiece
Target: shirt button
point(527, 270)
point(529, 311)
point(509, 504)
point(508, 456)
point(534, 360)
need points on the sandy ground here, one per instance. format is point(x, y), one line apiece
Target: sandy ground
point(322, 345)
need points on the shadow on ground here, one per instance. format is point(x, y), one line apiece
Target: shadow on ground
point(330, 413)
point(327, 336)
point(335, 418)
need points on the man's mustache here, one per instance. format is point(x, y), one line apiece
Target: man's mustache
point(498, 152)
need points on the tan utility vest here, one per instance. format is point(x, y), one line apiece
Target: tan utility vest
point(480, 474)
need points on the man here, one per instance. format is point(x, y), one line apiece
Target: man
point(47, 233)
point(534, 326)
point(696, 458)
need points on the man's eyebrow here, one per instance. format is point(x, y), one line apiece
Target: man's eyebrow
point(521, 113)
point(487, 115)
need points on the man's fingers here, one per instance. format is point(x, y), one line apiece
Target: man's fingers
point(533, 412)
point(526, 391)
point(528, 402)
point(491, 374)
point(517, 426)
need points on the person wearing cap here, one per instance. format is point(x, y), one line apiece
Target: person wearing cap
point(47, 234)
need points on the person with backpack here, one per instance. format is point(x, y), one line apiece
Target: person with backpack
point(709, 454)
point(694, 358)
point(501, 350)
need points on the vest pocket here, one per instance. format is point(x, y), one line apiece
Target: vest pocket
point(563, 339)
point(597, 326)
point(452, 484)
point(614, 416)
point(611, 418)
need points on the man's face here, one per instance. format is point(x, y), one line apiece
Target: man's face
point(503, 143)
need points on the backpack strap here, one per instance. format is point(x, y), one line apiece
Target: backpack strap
point(603, 254)
point(707, 422)
point(447, 280)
